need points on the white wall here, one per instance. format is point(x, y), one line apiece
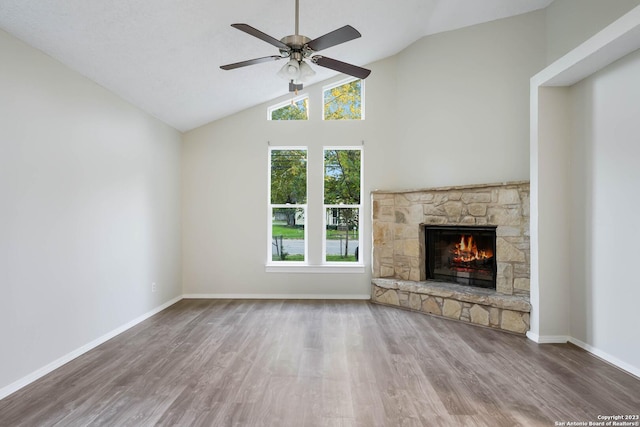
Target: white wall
point(584, 180)
point(571, 22)
point(89, 211)
point(463, 100)
point(550, 213)
point(433, 114)
point(605, 176)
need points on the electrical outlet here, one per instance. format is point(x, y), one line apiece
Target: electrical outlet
point(154, 287)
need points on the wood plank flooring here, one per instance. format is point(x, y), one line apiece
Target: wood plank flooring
point(320, 363)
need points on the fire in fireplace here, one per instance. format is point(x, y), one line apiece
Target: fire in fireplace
point(461, 254)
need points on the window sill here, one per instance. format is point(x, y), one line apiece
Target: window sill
point(354, 268)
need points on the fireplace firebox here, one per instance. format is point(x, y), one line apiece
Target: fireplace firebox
point(461, 254)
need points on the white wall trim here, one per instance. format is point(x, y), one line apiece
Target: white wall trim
point(561, 339)
point(325, 268)
point(547, 339)
point(612, 43)
point(606, 357)
point(278, 296)
point(28, 379)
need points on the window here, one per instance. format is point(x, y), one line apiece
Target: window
point(315, 218)
point(342, 204)
point(288, 204)
point(295, 109)
point(344, 100)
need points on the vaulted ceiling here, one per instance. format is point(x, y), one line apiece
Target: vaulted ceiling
point(164, 55)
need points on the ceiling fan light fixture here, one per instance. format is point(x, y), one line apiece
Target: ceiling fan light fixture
point(306, 72)
point(290, 70)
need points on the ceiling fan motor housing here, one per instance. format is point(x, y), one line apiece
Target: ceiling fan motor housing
point(297, 44)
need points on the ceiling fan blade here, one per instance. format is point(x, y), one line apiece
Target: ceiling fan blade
point(343, 67)
point(250, 62)
point(262, 36)
point(333, 38)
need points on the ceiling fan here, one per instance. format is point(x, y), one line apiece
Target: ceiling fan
point(297, 48)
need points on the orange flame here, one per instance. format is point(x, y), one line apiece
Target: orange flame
point(467, 251)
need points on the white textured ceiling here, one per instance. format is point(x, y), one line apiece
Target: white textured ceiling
point(164, 55)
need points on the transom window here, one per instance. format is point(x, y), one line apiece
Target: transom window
point(344, 100)
point(295, 109)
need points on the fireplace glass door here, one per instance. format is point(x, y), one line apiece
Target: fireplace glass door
point(461, 254)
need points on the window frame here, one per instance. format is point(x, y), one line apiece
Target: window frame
point(272, 206)
point(315, 207)
point(282, 104)
point(325, 206)
point(344, 82)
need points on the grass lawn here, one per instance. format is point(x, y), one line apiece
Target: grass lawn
point(330, 258)
point(288, 232)
point(297, 257)
point(338, 258)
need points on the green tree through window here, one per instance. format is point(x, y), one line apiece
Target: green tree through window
point(342, 193)
point(297, 110)
point(289, 176)
point(344, 102)
point(288, 199)
point(342, 177)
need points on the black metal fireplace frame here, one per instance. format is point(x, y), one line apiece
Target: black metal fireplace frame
point(465, 229)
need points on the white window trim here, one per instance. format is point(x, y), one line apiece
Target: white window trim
point(324, 268)
point(279, 105)
point(271, 206)
point(340, 83)
point(360, 261)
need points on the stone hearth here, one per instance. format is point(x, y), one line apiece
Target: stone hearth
point(399, 269)
point(479, 306)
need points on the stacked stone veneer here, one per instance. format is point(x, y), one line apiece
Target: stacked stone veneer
point(399, 251)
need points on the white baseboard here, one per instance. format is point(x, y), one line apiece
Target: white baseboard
point(278, 296)
point(24, 381)
point(561, 339)
point(633, 370)
point(547, 339)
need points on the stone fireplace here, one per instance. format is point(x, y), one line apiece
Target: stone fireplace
point(457, 252)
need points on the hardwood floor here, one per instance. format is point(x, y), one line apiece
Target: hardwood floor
point(320, 363)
